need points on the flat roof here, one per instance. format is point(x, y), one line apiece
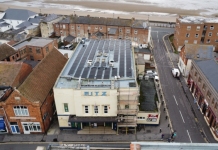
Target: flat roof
point(99, 64)
point(198, 19)
point(40, 42)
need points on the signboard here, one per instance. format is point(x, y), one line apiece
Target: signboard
point(152, 117)
point(95, 93)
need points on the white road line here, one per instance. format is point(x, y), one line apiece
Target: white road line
point(175, 99)
point(181, 116)
point(189, 136)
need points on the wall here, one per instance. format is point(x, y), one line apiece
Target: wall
point(33, 108)
point(14, 23)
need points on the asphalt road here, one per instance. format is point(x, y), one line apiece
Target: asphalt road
point(182, 118)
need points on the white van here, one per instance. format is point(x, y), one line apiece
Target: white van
point(69, 47)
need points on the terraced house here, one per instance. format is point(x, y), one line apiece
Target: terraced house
point(103, 28)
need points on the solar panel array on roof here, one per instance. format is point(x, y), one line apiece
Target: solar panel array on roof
point(92, 61)
point(122, 60)
point(128, 59)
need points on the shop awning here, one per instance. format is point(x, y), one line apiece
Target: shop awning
point(2, 124)
point(92, 119)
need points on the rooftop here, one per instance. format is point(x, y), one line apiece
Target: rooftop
point(197, 19)
point(39, 42)
point(97, 63)
point(6, 51)
point(210, 70)
point(198, 52)
point(18, 14)
point(50, 17)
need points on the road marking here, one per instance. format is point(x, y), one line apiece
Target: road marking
point(181, 116)
point(189, 136)
point(175, 99)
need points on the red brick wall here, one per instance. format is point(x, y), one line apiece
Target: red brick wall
point(47, 108)
point(33, 108)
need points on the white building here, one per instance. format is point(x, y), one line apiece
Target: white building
point(98, 88)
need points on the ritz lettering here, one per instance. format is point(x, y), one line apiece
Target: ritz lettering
point(95, 93)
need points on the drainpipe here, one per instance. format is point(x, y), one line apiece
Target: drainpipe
point(6, 118)
point(149, 34)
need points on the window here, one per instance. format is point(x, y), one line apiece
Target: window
point(96, 27)
point(199, 80)
point(196, 35)
point(127, 37)
point(188, 27)
point(57, 25)
point(30, 50)
point(89, 27)
point(126, 106)
point(186, 41)
point(33, 127)
point(78, 27)
point(64, 26)
point(38, 50)
point(21, 111)
point(96, 109)
point(195, 41)
point(216, 41)
point(72, 27)
point(211, 27)
point(208, 94)
point(198, 28)
point(66, 107)
point(210, 34)
point(100, 28)
point(120, 30)
point(141, 118)
point(47, 50)
point(187, 34)
point(105, 109)
point(135, 31)
point(135, 38)
point(108, 29)
point(127, 31)
point(24, 50)
point(204, 87)
point(208, 40)
point(86, 109)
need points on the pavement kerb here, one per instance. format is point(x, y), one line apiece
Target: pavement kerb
point(171, 127)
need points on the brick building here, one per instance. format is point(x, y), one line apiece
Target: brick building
point(30, 107)
point(34, 48)
point(196, 30)
point(12, 74)
point(103, 28)
point(193, 51)
point(7, 53)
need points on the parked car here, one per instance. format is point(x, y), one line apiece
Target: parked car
point(69, 47)
point(175, 72)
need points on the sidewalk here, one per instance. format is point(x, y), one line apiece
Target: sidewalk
point(147, 133)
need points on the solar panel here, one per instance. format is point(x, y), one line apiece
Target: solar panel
point(92, 73)
point(114, 72)
point(85, 72)
point(107, 73)
point(100, 72)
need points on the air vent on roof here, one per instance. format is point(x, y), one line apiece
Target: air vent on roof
point(98, 59)
point(105, 54)
point(111, 64)
point(99, 54)
point(103, 60)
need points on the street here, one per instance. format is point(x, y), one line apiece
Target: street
point(178, 105)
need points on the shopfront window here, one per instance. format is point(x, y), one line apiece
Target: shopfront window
point(66, 107)
point(32, 126)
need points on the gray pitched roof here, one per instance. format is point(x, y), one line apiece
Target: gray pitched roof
point(139, 24)
point(198, 52)
point(210, 70)
point(69, 38)
point(50, 17)
point(4, 24)
point(65, 20)
point(6, 51)
point(119, 22)
point(24, 24)
point(34, 20)
point(18, 14)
